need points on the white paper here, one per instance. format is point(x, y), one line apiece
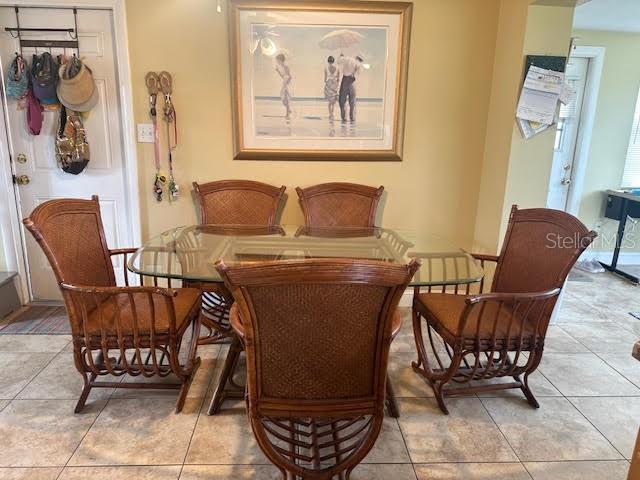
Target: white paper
point(530, 129)
point(540, 93)
point(544, 80)
point(537, 106)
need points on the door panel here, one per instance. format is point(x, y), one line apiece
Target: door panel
point(567, 135)
point(104, 175)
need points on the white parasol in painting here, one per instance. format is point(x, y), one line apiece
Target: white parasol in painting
point(339, 39)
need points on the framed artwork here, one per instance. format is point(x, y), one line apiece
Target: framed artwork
point(319, 80)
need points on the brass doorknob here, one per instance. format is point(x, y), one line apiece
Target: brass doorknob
point(23, 180)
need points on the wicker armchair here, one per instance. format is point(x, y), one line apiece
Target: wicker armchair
point(339, 205)
point(231, 202)
point(475, 338)
point(317, 335)
point(133, 330)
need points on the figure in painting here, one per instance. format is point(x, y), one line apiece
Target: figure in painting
point(350, 69)
point(285, 74)
point(331, 84)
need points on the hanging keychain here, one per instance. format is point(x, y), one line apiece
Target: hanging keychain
point(170, 118)
point(153, 81)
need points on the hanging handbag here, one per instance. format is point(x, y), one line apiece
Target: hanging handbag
point(72, 148)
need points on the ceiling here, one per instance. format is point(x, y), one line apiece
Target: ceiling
point(614, 15)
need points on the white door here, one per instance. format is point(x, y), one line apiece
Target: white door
point(104, 175)
point(567, 135)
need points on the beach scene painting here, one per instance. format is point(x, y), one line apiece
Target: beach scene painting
point(319, 82)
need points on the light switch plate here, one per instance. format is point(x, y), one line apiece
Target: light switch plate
point(145, 133)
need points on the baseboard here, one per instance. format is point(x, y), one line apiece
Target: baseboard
point(625, 258)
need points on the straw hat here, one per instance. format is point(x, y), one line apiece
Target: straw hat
point(77, 92)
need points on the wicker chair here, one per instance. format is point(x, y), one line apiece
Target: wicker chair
point(231, 202)
point(317, 335)
point(339, 205)
point(116, 330)
point(475, 338)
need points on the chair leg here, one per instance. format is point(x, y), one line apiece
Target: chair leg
point(184, 391)
point(86, 389)
point(227, 372)
point(391, 401)
point(437, 390)
point(527, 391)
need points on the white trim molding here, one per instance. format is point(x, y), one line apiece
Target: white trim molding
point(13, 244)
point(587, 119)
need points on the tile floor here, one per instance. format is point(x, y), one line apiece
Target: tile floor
point(588, 386)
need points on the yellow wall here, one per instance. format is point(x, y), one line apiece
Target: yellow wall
point(548, 33)
point(516, 171)
point(434, 189)
point(507, 74)
point(619, 86)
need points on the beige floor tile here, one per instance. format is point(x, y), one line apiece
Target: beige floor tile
point(556, 431)
point(44, 473)
point(389, 447)
point(224, 439)
point(226, 472)
point(4, 403)
point(611, 470)
point(60, 380)
point(432, 436)
point(579, 374)
point(559, 341)
point(617, 418)
point(42, 432)
point(33, 343)
point(472, 471)
point(406, 382)
point(18, 369)
point(602, 337)
point(138, 432)
point(629, 323)
point(384, 472)
point(121, 473)
point(624, 364)
point(404, 341)
point(573, 309)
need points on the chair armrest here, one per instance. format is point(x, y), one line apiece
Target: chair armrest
point(236, 321)
point(485, 258)
point(503, 297)
point(122, 251)
point(515, 307)
point(167, 292)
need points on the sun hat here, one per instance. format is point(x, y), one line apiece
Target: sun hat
point(17, 78)
point(44, 77)
point(76, 88)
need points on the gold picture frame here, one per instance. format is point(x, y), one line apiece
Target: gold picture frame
point(260, 29)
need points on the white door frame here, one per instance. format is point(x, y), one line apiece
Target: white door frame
point(585, 126)
point(10, 221)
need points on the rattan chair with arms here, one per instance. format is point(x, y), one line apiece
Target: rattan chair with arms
point(134, 330)
point(231, 202)
point(317, 335)
point(477, 338)
point(339, 204)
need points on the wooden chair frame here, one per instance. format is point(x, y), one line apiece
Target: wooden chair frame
point(216, 299)
point(314, 218)
point(136, 350)
point(473, 357)
point(312, 438)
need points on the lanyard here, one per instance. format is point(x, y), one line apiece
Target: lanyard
point(153, 81)
point(166, 84)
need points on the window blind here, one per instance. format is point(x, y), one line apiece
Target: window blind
point(631, 177)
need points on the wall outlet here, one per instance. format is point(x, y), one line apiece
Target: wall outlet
point(145, 133)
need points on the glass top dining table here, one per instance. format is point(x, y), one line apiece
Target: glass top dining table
point(191, 252)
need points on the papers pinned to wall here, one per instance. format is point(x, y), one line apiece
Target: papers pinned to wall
point(544, 86)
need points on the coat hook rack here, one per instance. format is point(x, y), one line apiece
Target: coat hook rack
point(16, 32)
